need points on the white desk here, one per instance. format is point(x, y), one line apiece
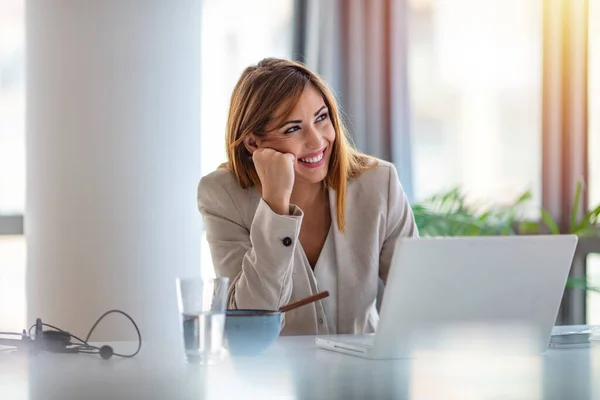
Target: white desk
point(294, 368)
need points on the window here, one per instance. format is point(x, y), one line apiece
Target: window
point(593, 298)
point(12, 108)
point(475, 85)
point(12, 283)
point(12, 163)
point(593, 260)
point(594, 103)
point(235, 34)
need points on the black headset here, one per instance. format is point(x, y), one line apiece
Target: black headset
point(60, 341)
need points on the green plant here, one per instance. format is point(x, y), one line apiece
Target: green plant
point(451, 214)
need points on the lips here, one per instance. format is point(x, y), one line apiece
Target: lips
point(313, 157)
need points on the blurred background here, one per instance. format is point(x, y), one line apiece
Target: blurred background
point(487, 100)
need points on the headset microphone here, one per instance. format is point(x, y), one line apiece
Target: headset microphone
point(60, 341)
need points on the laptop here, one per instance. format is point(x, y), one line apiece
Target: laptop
point(479, 294)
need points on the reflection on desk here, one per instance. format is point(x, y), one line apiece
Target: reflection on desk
point(295, 368)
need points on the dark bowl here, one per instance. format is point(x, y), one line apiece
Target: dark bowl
point(251, 332)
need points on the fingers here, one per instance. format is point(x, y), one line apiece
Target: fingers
point(263, 150)
point(259, 153)
point(266, 152)
point(290, 157)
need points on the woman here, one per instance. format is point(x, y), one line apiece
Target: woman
point(296, 209)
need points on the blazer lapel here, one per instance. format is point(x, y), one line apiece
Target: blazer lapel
point(347, 280)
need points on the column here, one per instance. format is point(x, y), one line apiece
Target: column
point(113, 162)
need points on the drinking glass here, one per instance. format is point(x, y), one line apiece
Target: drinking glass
point(202, 304)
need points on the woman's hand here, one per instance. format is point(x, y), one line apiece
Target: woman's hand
point(276, 173)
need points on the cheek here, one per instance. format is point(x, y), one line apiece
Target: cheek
point(329, 133)
point(283, 145)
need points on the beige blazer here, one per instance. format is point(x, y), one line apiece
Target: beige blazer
point(260, 252)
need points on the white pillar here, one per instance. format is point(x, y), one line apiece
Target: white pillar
point(113, 162)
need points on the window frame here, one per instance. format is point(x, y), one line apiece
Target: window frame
point(11, 225)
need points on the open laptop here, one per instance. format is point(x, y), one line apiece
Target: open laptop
point(494, 293)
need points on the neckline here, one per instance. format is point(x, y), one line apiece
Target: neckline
point(332, 225)
point(325, 243)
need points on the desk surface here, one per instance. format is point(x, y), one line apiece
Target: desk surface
point(295, 368)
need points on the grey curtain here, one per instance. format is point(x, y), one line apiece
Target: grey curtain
point(359, 47)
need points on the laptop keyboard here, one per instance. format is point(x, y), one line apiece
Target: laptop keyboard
point(360, 341)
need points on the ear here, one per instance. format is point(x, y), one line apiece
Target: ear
point(250, 143)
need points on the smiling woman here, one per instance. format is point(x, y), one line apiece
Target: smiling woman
point(280, 215)
point(281, 90)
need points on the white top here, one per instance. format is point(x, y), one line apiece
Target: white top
point(294, 368)
point(326, 273)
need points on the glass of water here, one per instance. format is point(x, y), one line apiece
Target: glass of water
point(202, 304)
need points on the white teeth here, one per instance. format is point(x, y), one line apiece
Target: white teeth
point(313, 159)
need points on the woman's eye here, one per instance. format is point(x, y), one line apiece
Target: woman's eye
point(292, 129)
point(322, 117)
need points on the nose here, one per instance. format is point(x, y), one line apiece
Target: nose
point(314, 139)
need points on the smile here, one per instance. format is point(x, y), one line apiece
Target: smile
point(313, 160)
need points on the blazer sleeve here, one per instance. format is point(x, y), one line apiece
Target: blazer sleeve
point(257, 260)
point(400, 221)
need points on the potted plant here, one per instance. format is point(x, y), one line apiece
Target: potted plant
point(450, 214)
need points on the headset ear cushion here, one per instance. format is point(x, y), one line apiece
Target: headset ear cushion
point(106, 352)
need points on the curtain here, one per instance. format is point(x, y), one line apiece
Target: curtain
point(359, 48)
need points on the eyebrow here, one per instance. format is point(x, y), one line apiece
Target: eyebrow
point(297, 121)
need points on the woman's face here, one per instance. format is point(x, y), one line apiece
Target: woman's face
point(308, 134)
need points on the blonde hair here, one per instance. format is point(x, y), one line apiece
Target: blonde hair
point(260, 91)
